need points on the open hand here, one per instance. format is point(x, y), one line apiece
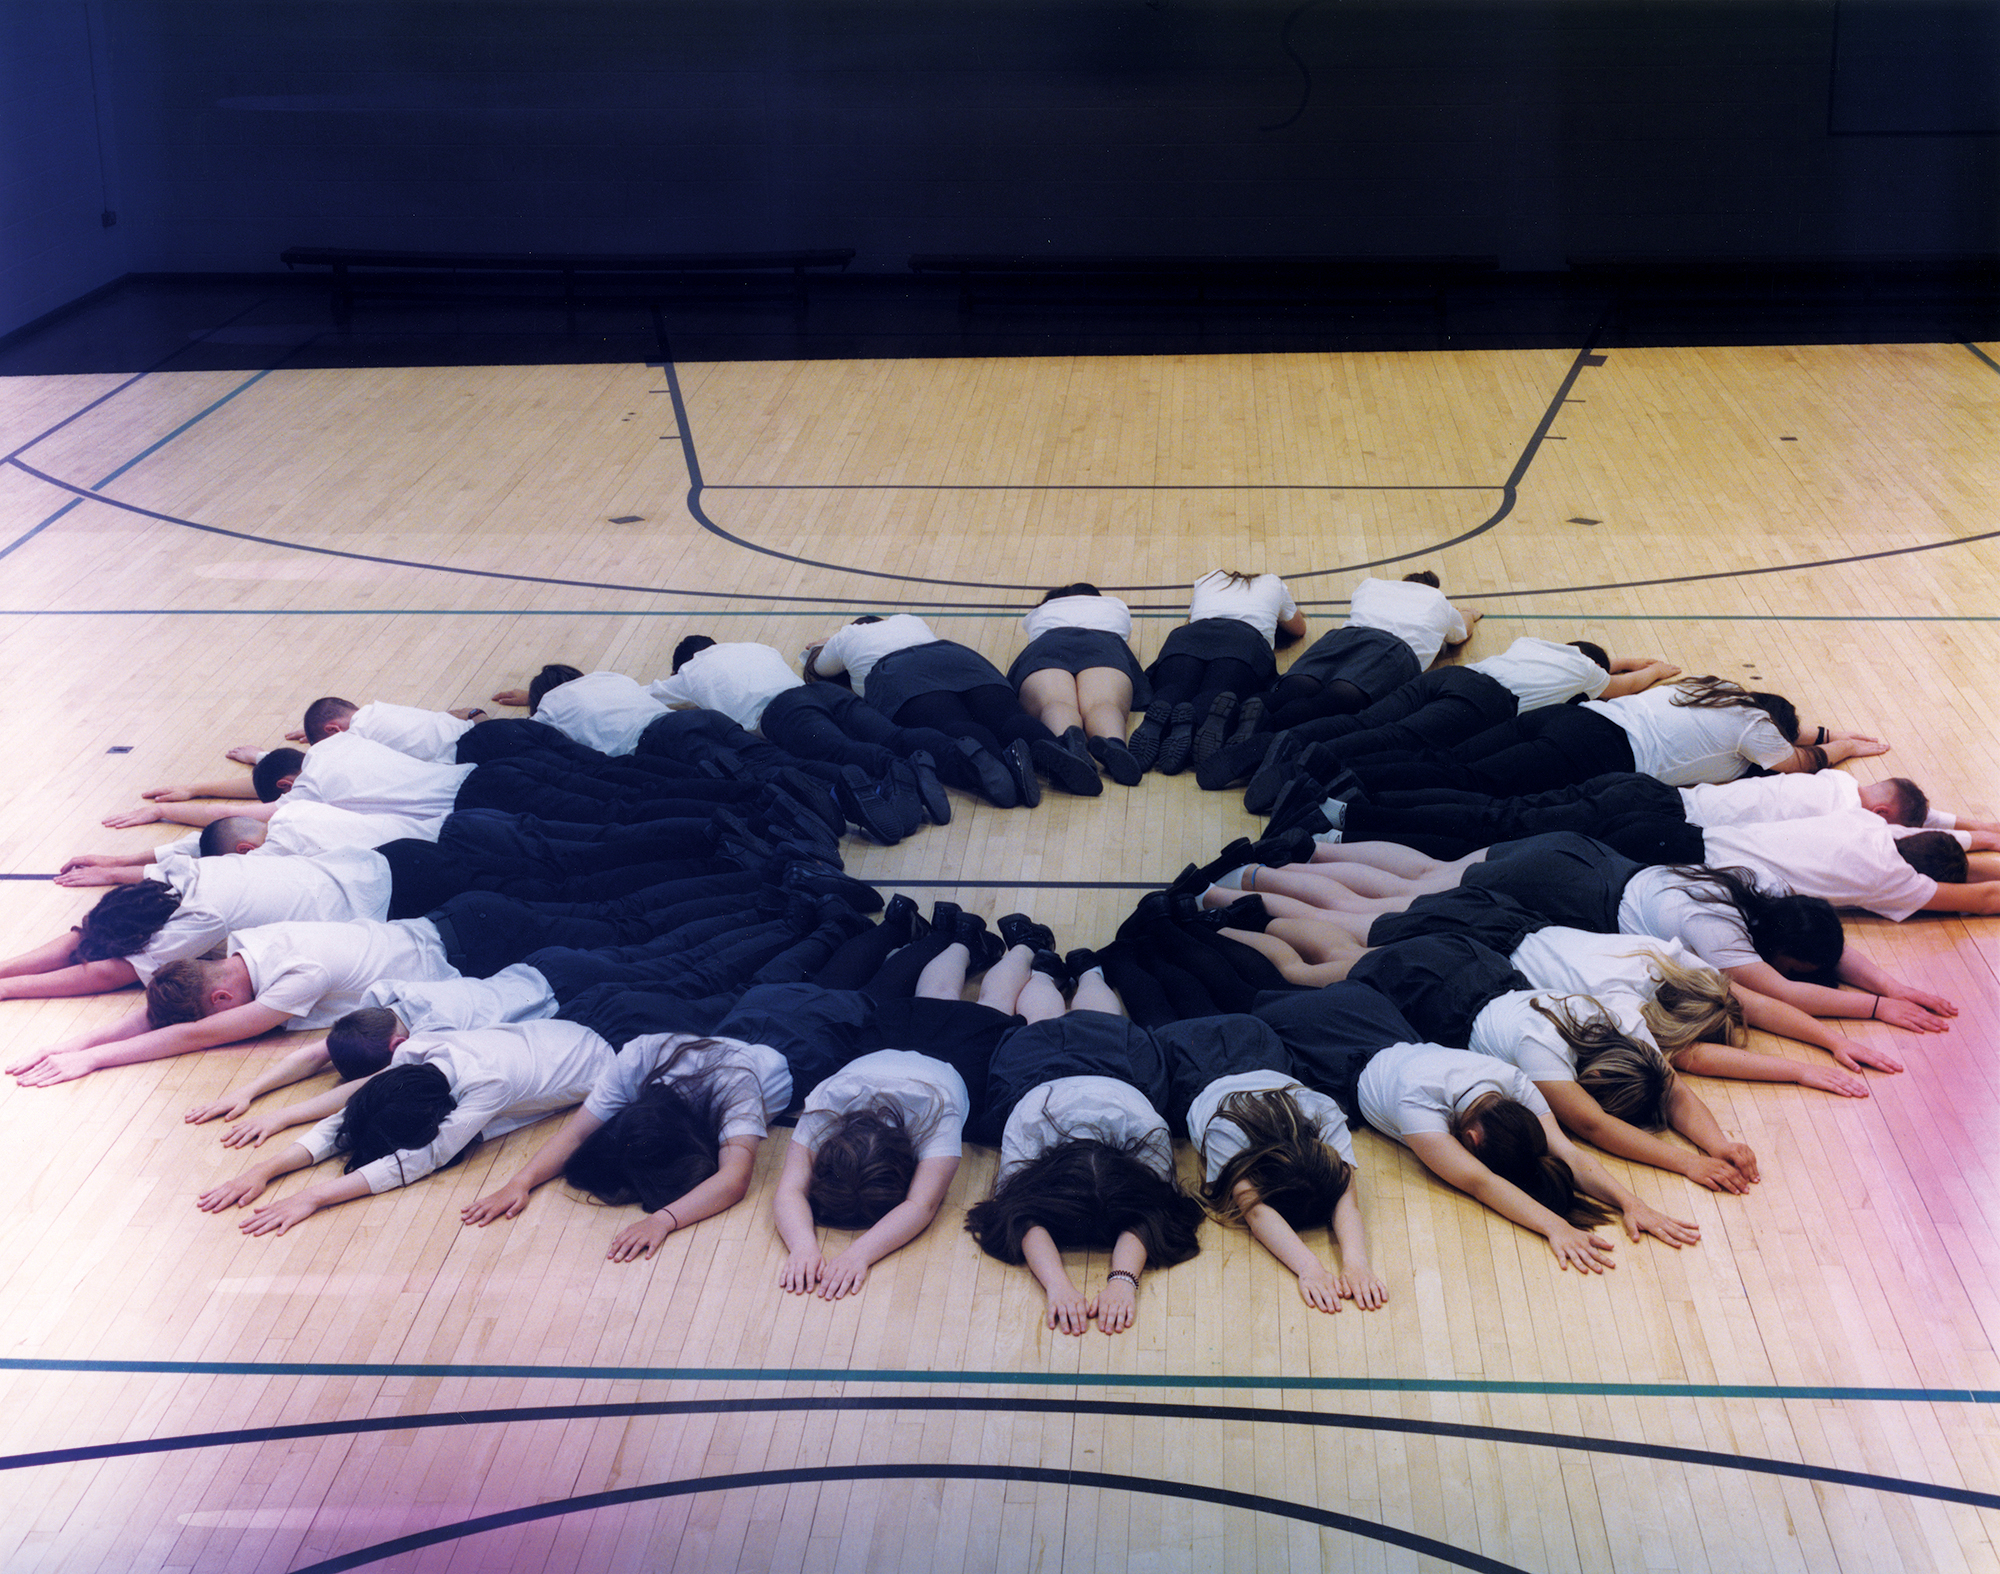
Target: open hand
point(58, 1065)
point(233, 1107)
point(1643, 1218)
point(235, 1193)
point(1717, 1174)
point(1581, 1250)
point(518, 698)
point(504, 1203)
point(801, 1273)
point(125, 819)
point(1116, 1305)
point(1069, 1312)
point(845, 1275)
point(1831, 1079)
point(636, 1242)
point(254, 1132)
point(277, 1217)
point(1363, 1287)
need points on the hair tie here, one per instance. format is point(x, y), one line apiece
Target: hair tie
point(1126, 1274)
point(672, 1218)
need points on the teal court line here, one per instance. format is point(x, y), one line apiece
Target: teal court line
point(759, 1374)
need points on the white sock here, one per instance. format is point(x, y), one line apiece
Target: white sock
point(1335, 810)
point(1232, 881)
point(1327, 838)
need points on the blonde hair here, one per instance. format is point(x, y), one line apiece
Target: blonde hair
point(1692, 1004)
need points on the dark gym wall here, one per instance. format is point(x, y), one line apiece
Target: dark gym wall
point(1534, 131)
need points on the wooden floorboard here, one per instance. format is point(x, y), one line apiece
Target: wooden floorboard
point(1669, 483)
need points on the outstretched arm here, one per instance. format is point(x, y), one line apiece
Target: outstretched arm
point(131, 1040)
point(1634, 674)
point(792, 1214)
point(1861, 1003)
point(1690, 1115)
point(63, 983)
point(511, 1196)
point(1743, 1065)
point(1808, 756)
point(228, 787)
point(1594, 1179)
point(250, 1185)
point(307, 1112)
point(86, 870)
point(202, 814)
point(295, 1067)
point(721, 1191)
point(1117, 1303)
point(1318, 1286)
point(1069, 1311)
point(1442, 1155)
point(895, 1229)
point(1356, 1280)
point(1582, 1114)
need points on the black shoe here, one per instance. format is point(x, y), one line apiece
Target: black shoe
point(983, 948)
point(1286, 847)
point(930, 791)
point(1324, 761)
point(1020, 762)
point(1249, 722)
point(1178, 743)
point(899, 790)
point(1213, 730)
point(1232, 762)
point(1238, 853)
point(1280, 764)
point(1150, 909)
point(1117, 760)
point(1081, 961)
point(1144, 746)
point(864, 802)
point(1020, 929)
point(813, 794)
point(902, 919)
point(944, 918)
point(814, 881)
point(1194, 880)
point(1072, 773)
point(995, 781)
point(1247, 912)
point(1055, 967)
point(1298, 803)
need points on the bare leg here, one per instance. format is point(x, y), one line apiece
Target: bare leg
point(1335, 888)
point(1291, 907)
point(944, 976)
point(1295, 968)
point(1004, 980)
point(1050, 696)
point(1094, 994)
point(1040, 1000)
point(1386, 856)
point(1319, 943)
point(1105, 696)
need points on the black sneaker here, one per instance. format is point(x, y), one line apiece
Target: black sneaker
point(930, 791)
point(1069, 772)
point(1144, 746)
point(1280, 764)
point(1214, 729)
point(1178, 743)
point(1020, 929)
point(864, 802)
point(1020, 762)
point(1117, 760)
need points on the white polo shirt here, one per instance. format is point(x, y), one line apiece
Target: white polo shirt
point(739, 680)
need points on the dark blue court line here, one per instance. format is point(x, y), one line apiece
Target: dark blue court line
point(1984, 356)
point(1099, 1480)
point(1509, 491)
point(835, 1374)
point(1243, 1414)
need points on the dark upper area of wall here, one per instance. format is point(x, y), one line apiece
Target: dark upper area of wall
point(1542, 135)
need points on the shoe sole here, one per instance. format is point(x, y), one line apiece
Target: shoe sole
point(1071, 774)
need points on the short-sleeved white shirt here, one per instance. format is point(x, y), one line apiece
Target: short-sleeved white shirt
point(1540, 672)
point(238, 891)
point(304, 828)
point(514, 994)
point(1849, 859)
point(1101, 1108)
point(1219, 1140)
point(1686, 744)
point(1106, 614)
point(503, 1078)
point(317, 973)
point(1583, 962)
point(430, 735)
point(755, 1083)
point(353, 773)
point(1263, 603)
point(1754, 800)
point(930, 1094)
point(1417, 614)
point(855, 648)
point(605, 711)
point(738, 679)
point(1656, 901)
point(1510, 1029)
point(1410, 1088)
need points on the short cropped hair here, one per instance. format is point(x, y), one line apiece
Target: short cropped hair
point(1595, 652)
point(1422, 576)
point(358, 1044)
point(1082, 587)
point(1913, 805)
point(690, 648)
point(178, 993)
point(1935, 853)
point(274, 768)
point(221, 836)
point(324, 711)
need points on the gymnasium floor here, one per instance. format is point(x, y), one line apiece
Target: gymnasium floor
point(190, 555)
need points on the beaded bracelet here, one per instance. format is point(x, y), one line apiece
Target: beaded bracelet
point(1126, 1274)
